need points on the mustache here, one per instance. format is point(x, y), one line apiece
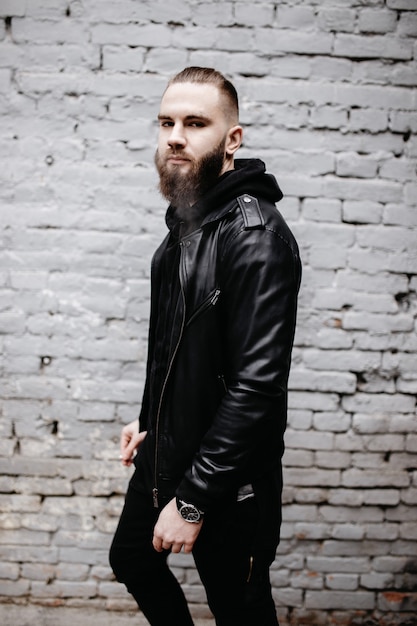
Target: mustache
point(176, 153)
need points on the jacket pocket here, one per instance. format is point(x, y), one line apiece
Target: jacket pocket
point(209, 302)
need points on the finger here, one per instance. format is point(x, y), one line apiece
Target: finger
point(157, 544)
point(176, 548)
point(188, 547)
point(129, 452)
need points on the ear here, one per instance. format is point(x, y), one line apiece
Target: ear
point(233, 140)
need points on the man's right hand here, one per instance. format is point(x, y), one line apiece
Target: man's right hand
point(130, 441)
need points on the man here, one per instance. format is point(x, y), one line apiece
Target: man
point(208, 447)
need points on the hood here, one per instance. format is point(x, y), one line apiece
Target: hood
point(249, 176)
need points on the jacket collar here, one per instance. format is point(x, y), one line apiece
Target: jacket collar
point(249, 177)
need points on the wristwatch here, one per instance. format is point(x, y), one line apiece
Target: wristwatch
point(189, 512)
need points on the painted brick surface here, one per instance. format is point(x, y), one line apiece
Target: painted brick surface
point(328, 99)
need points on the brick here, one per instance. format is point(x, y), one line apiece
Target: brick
point(329, 381)
point(24, 537)
point(335, 422)
point(339, 599)
point(322, 210)
point(9, 571)
point(267, 42)
point(296, 17)
point(315, 401)
point(131, 34)
point(376, 581)
point(408, 531)
point(355, 189)
point(336, 19)
point(9, 8)
point(397, 601)
point(344, 582)
point(332, 460)
point(14, 588)
point(382, 532)
point(343, 565)
point(20, 503)
point(300, 420)
point(328, 338)
point(288, 597)
point(402, 121)
point(411, 443)
point(341, 361)
point(306, 580)
point(407, 26)
point(247, 16)
point(164, 60)
point(398, 169)
point(402, 5)
point(373, 120)
point(49, 31)
point(61, 589)
point(377, 323)
point(396, 239)
point(353, 165)
point(329, 117)
point(378, 443)
point(400, 514)
point(38, 571)
point(371, 47)
point(345, 514)
point(297, 458)
point(404, 75)
point(377, 21)
point(304, 477)
point(381, 403)
point(389, 564)
point(205, 14)
point(348, 532)
point(46, 8)
point(122, 58)
point(129, 11)
point(372, 478)
point(330, 67)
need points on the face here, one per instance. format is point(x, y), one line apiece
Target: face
point(197, 141)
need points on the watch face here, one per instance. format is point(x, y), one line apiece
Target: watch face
point(190, 513)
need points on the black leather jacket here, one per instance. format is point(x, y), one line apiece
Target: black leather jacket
point(219, 417)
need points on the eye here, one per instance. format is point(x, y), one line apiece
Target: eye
point(197, 124)
point(166, 124)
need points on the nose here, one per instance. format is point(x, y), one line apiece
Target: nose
point(176, 137)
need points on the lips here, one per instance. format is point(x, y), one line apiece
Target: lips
point(177, 159)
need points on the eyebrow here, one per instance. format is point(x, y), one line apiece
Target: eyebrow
point(187, 118)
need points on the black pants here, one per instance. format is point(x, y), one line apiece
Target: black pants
point(236, 581)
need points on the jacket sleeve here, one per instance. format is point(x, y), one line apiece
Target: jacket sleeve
point(259, 282)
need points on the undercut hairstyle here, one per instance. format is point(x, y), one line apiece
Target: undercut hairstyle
point(208, 75)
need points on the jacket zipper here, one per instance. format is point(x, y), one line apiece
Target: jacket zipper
point(223, 382)
point(205, 305)
point(158, 415)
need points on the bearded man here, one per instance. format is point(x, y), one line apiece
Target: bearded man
point(207, 449)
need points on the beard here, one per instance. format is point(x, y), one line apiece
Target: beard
point(183, 189)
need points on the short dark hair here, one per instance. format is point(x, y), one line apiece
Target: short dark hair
point(209, 75)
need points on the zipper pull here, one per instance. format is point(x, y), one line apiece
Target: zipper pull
point(155, 497)
point(215, 297)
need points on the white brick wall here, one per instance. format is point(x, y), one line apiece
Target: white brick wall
point(328, 98)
